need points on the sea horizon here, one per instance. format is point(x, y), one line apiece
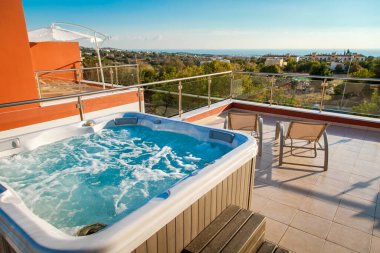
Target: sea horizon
point(260, 52)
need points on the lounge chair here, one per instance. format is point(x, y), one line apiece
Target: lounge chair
point(248, 122)
point(305, 131)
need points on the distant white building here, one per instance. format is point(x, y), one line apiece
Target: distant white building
point(285, 57)
point(334, 57)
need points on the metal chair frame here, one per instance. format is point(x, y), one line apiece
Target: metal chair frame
point(258, 132)
point(280, 132)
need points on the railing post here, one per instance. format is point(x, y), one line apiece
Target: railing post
point(97, 72)
point(271, 90)
point(139, 96)
point(80, 106)
point(116, 76)
point(38, 85)
point(78, 75)
point(231, 85)
point(324, 86)
point(343, 93)
point(138, 74)
point(209, 91)
point(180, 99)
point(111, 76)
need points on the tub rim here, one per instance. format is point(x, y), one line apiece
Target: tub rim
point(27, 232)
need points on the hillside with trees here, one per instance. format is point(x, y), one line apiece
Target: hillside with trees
point(154, 66)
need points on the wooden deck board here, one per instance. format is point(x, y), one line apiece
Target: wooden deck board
point(212, 230)
point(228, 232)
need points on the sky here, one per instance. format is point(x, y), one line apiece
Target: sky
point(219, 24)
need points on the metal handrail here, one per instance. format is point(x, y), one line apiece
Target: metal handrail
point(310, 76)
point(179, 82)
point(324, 83)
point(88, 93)
point(89, 68)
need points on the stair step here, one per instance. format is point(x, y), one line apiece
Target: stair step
point(268, 247)
point(234, 230)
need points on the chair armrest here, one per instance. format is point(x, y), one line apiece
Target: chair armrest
point(277, 133)
point(260, 126)
point(225, 126)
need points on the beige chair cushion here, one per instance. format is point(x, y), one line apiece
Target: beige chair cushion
point(308, 131)
point(242, 121)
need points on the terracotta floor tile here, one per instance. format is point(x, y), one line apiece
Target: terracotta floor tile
point(366, 169)
point(358, 181)
point(337, 174)
point(288, 197)
point(375, 245)
point(297, 186)
point(364, 193)
point(267, 177)
point(376, 227)
point(264, 190)
point(354, 219)
point(311, 224)
point(327, 193)
point(330, 247)
point(258, 202)
point(358, 204)
point(366, 164)
point(329, 182)
point(351, 183)
point(349, 237)
point(274, 230)
point(377, 213)
point(320, 208)
point(278, 212)
point(299, 241)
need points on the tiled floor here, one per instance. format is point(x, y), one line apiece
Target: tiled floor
point(53, 89)
point(310, 210)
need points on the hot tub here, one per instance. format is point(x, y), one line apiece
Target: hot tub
point(155, 182)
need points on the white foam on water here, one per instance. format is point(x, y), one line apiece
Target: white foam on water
point(104, 176)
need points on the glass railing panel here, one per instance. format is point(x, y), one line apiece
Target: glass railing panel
point(195, 87)
point(71, 81)
point(251, 88)
point(162, 99)
point(114, 75)
point(62, 82)
point(194, 94)
point(353, 97)
point(221, 87)
point(301, 92)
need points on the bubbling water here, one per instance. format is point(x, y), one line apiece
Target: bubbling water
point(103, 177)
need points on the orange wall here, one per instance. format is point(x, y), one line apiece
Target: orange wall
point(56, 55)
point(16, 70)
point(19, 60)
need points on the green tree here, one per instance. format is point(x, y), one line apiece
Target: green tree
point(320, 69)
point(363, 73)
point(375, 68)
point(305, 66)
point(371, 106)
point(355, 67)
point(216, 66)
point(271, 69)
point(148, 75)
point(291, 66)
point(339, 69)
